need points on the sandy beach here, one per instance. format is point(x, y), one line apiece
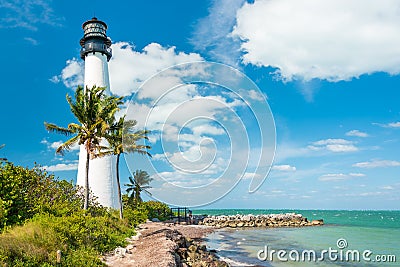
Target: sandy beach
point(163, 244)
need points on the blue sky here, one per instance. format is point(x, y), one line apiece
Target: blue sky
point(330, 73)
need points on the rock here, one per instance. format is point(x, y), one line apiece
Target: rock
point(232, 224)
point(182, 252)
point(263, 220)
point(189, 253)
point(192, 255)
point(192, 248)
point(120, 252)
point(136, 237)
point(155, 220)
point(317, 222)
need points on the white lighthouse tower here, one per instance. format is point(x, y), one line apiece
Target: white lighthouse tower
point(96, 53)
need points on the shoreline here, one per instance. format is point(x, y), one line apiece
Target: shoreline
point(238, 246)
point(179, 244)
point(165, 244)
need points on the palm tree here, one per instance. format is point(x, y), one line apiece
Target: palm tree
point(94, 111)
point(139, 183)
point(122, 139)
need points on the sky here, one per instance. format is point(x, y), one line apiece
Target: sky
point(304, 93)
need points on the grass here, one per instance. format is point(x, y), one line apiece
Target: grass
point(81, 237)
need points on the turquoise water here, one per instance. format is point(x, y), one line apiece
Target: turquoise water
point(376, 231)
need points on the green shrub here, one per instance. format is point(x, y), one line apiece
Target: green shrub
point(134, 214)
point(157, 209)
point(82, 257)
point(25, 192)
point(81, 237)
point(40, 215)
point(139, 213)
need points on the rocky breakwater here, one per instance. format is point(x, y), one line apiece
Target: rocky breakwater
point(188, 252)
point(264, 220)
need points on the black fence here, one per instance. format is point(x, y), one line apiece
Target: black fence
point(181, 214)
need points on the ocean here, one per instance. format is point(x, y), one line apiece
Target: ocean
point(348, 238)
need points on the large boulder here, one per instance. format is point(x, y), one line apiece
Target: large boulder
point(317, 222)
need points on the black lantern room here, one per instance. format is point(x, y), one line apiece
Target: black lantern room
point(95, 38)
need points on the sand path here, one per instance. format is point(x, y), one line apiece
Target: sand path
point(151, 247)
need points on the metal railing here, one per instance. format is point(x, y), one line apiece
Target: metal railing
point(182, 214)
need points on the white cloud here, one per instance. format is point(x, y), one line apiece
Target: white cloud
point(356, 174)
point(250, 175)
point(334, 145)
point(332, 142)
point(129, 68)
point(389, 125)
point(342, 148)
point(333, 39)
point(394, 124)
point(207, 129)
point(387, 187)
point(191, 118)
point(253, 94)
point(72, 74)
point(31, 41)
point(371, 194)
point(28, 14)
point(356, 133)
point(334, 177)
point(377, 164)
point(285, 168)
point(62, 167)
point(180, 179)
point(212, 33)
point(57, 144)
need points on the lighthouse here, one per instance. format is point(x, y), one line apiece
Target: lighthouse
point(96, 52)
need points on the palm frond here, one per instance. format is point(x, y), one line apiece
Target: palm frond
point(129, 189)
point(66, 146)
point(147, 192)
point(51, 127)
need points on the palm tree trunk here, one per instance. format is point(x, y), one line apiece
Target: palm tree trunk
point(86, 203)
point(137, 194)
point(121, 216)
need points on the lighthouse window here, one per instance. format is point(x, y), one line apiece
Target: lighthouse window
point(95, 28)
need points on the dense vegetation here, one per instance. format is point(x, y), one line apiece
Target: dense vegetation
point(40, 214)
